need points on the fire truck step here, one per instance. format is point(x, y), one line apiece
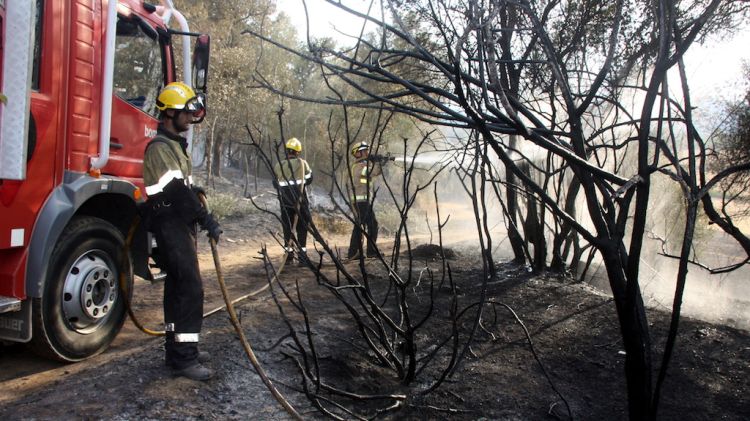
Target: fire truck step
point(9, 304)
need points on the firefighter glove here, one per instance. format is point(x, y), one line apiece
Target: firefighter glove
point(198, 190)
point(213, 228)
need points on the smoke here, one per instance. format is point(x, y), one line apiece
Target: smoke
point(723, 299)
point(715, 298)
point(457, 215)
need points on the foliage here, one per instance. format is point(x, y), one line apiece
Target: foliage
point(733, 149)
point(232, 101)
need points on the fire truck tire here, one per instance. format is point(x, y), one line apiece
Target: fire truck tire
point(82, 308)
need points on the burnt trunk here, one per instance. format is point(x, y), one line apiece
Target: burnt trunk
point(563, 236)
point(534, 229)
point(511, 198)
point(635, 335)
point(217, 146)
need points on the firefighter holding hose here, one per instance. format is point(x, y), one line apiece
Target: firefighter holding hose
point(291, 175)
point(172, 211)
point(365, 167)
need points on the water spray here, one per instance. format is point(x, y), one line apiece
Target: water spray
point(423, 160)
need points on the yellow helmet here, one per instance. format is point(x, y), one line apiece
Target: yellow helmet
point(361, 146)
point(294, 144)
point(174, 96)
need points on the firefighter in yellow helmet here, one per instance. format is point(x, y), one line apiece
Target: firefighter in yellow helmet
point(363, 170)
point(291, 175)
point(172, 210)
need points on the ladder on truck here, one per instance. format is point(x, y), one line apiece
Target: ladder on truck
point(16, 44)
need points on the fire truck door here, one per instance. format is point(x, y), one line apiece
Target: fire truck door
point(138, 77)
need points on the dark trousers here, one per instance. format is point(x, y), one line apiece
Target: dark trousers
point(365, 217)
point(291, 212)
point(183, 290)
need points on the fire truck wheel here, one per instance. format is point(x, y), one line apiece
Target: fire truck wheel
point(81, 309)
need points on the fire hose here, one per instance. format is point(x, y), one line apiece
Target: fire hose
point(125, 288)
point(229, 304)
point(238, 328)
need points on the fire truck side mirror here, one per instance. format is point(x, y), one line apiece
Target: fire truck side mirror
point(200, 62)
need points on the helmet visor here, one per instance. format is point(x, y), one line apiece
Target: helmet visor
point(197, 107)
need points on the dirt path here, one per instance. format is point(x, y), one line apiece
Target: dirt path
point(130, 381)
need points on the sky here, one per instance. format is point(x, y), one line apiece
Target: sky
point(718, 64)
point(325, 19)
point(715, 77)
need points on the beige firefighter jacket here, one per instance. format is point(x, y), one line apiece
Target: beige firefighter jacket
point(362, 173)
point(292, 172)
point(163, 162)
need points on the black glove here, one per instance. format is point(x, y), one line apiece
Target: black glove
point(382, 159)
point(198, 190)
point(208, 223)
point(184, 202)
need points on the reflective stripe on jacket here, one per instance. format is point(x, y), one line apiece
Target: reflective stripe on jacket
point(362, 172)
point(292, 172)
point(164, 161)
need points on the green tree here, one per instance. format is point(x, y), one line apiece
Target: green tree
point(233, 100)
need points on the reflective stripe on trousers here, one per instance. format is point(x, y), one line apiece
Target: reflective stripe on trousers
point(182, 337)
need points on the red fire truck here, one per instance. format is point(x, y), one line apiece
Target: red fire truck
point(79, 81)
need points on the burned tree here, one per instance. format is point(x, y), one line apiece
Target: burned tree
point(382, 315)
point(390, 301)
point(584, 85)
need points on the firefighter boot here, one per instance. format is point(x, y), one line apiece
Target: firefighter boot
point(203, 357)
point(302, 258)
point(289, 253)
point(195, 372)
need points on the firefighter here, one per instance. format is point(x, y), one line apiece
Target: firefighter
point(291, 175)
point(172, 210)
point(362, 171)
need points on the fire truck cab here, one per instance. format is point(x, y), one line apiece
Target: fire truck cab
point(79, 81)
